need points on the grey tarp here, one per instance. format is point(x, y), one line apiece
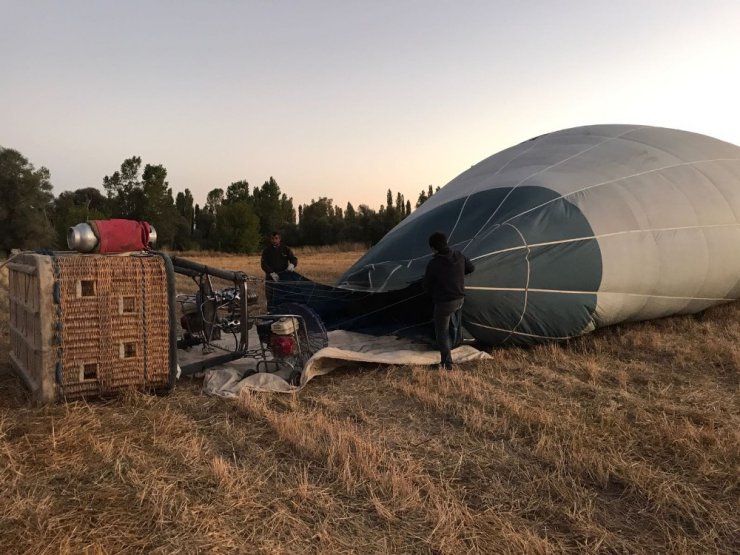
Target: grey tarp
point(345, 349)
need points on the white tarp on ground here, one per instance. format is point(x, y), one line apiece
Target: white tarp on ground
point(344, 349)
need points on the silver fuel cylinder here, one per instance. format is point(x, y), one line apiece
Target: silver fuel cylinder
point(152, 236)
point(81, 238)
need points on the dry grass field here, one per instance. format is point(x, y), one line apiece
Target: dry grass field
point(624, 441)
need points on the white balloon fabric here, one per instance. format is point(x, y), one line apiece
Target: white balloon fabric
point(575, 230)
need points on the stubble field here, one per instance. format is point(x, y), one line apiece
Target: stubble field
point(623, 441)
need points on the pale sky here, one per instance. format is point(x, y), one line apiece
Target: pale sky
point(343, 98)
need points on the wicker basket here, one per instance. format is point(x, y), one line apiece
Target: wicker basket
point(92, 325)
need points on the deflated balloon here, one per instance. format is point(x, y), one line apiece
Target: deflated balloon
point(569, 231)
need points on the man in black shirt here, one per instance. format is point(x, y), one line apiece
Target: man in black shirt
point(276, 258)
point(444, 280)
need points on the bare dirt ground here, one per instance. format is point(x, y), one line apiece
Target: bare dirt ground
point(623, 441)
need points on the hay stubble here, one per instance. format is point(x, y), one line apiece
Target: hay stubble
point(622, 441)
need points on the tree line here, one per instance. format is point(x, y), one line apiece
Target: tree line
point(235, 219)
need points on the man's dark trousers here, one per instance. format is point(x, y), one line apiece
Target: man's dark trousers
point(446, 313)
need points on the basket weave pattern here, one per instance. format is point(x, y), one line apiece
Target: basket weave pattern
point(115, 324)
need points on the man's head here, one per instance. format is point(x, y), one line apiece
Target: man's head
point(438, 241)
point(275, 239)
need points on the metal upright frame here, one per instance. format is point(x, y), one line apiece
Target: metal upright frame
point(202, 274)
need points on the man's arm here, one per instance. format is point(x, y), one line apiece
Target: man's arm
point(291, 257)
point(427, 283)
point(469, 267)
point(263, 263)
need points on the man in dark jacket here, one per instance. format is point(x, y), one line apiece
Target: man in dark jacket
point(444, 280)
point(276, 258)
